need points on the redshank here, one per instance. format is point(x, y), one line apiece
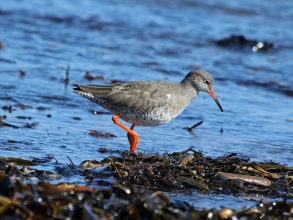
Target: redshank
point(148, 103)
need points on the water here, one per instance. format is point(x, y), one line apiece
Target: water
point(153, 40)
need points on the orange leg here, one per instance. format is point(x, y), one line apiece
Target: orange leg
point(131, 135)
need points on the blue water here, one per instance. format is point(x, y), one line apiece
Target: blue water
point(147, 40)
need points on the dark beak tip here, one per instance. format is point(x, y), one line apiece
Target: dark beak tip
point(222, 110)
point(215, 99)
point(219, 105)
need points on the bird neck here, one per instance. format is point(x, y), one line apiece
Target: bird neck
point(188, 89)
point(188, 86)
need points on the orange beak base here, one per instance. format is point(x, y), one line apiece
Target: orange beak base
point(212, 94)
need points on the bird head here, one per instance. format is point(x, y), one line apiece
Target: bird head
point(201, 80)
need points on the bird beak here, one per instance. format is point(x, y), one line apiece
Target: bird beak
point(211, 92)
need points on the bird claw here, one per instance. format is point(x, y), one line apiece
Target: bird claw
point(133, 153)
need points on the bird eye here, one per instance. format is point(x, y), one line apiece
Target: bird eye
point(207, 82)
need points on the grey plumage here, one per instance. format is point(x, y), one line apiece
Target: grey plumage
point(148, 103)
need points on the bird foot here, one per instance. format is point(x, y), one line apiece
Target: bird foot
point(133, 153)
